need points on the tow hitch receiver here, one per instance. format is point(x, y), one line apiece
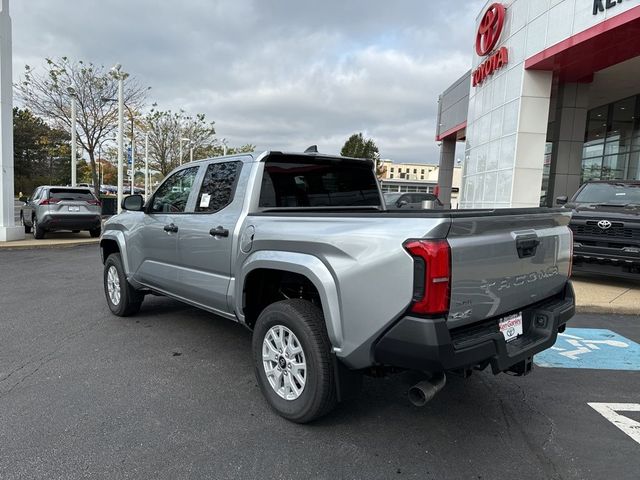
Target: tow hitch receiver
point(522, 368)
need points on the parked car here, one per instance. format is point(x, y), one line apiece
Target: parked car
point(301, 250)
point(52, 208)
point(606, 228)
point(411, 201)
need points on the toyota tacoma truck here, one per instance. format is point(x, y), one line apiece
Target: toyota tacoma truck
point(301, 250)
point(606, 228)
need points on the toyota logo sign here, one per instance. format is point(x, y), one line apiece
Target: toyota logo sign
point(490, 29)
point(604, 224)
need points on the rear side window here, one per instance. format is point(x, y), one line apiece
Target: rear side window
point(324, 183)
point(75, 194)
point(218, 186)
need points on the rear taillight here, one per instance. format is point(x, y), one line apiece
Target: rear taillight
point(432, 276)
point(49, 201)
point(94, 202)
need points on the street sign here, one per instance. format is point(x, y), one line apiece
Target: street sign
point(129, 155)
point(591, 348)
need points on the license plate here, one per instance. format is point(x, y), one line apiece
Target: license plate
point(74, 209)
point(511, 326)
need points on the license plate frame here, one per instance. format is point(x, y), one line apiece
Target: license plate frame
point(74, 209)
point(511, 326)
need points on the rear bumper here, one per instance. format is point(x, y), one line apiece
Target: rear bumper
point(70, 222)
point(428, 344)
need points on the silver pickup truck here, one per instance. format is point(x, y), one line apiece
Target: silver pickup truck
point(301, 250)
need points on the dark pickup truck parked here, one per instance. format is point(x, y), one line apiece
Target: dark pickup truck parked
point(606, 228)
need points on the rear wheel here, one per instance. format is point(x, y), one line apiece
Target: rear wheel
point(292, 360)
point(122, 298)
point(27, 229)
point(95, 232)
point(38, 231)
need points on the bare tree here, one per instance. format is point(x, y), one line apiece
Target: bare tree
point(167, 128)
point(48, 94)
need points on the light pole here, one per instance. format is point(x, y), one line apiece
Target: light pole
point(119, 75)
point(146, 166)
point(183, 140)
point(74, 168)
point(191, 153)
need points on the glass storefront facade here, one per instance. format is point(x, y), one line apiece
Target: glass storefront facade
point(612, 142)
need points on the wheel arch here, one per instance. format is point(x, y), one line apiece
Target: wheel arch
point(113, 242)
point(304, 266)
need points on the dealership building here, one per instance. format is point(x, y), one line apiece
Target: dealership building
point(552, 100)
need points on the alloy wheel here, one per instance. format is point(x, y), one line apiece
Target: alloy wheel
point(284, 362)
point(113, 285)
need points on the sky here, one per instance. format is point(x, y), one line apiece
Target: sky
point(279, 74)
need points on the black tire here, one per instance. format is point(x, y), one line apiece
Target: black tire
point(306, 322)
point(27, 228)
point(95, 232)
point(130, 300)
point(38, 231)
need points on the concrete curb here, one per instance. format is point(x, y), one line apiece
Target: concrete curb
point(608, 309)
point(19, 245)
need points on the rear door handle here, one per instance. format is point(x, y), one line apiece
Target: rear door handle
point(171, 228)
point(219, 231)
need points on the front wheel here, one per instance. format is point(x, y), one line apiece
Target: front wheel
point(292, 360)
point(122, 298)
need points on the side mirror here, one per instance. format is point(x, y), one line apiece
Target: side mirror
point(402, 203)
point(133, 203)
point(562, 200)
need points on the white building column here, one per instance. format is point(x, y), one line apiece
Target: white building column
point(531, 138)
point(8, 229)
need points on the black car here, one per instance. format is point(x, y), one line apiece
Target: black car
point(606, 228)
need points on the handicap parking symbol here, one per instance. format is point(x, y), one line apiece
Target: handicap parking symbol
point(591, 348)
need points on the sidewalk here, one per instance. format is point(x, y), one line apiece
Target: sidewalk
point(607, 295)
point(52, 240)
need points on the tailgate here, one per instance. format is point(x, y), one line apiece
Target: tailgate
point(504, 260)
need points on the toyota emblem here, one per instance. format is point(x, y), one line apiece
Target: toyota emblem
point(604, 224)
point(490, 29)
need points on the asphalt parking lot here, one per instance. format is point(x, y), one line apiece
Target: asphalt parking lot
point(171, 394)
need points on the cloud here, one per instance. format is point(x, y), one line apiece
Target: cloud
point(281, 74)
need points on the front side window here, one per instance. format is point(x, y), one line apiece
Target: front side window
point(173, 194)
point(218, 186)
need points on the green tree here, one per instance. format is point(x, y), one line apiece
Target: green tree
point(357, 146)
point(48, 94)
point(42, 154)
point(219, 149)
point(167, 128)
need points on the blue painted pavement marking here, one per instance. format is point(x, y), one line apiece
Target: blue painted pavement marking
point(591, 348)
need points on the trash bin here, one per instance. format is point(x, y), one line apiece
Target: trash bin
point(428, 205)
point(109, 205)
